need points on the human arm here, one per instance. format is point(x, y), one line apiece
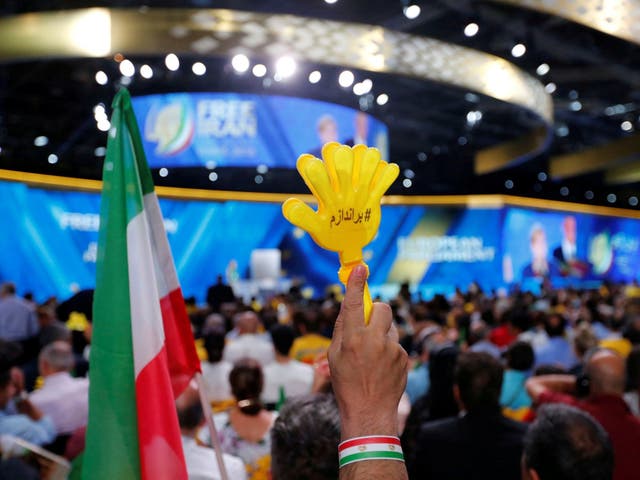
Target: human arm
point(536, 386)
point(368, 374)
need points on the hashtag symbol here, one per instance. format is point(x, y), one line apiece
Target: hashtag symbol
point(367, 214)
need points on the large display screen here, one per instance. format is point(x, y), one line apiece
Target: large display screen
point(49, 245)
point(245, 130)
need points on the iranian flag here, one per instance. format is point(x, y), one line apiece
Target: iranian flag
point(142, 349)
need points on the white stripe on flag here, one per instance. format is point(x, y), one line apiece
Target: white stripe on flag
point(166, 276)
point(370, 447)
point(146, 317)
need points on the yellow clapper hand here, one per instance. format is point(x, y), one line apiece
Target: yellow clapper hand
point(348, 186)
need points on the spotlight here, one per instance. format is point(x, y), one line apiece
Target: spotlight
point(172, 62)
point(550, 87)
point(564, 191)
point(52, 159)
point(411, 11)
point(101, 78)
point(518, 50)
point(103, 125)
point(163, 172)
point(627, 126)
point(471, 29)
point(382, 99)
point(213, 176)
point(240, 63)
point(285, 67)
point(315, 76)
point(199, 68)
point(40, 141)
point(633, 201)
point(406, 183)
point(146, 71)
point(346, 78)
point(543, 69)
point(259, 70)
point(127, 68)
point(588, 195)
point(611, 198)
point(508, 184)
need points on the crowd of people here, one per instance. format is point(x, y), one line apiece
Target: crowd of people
point(477, 385)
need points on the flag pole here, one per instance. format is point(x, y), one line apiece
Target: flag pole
point(208, 414)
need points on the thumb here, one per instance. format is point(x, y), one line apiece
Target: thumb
point(352, 311)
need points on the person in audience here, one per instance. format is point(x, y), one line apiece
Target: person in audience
point(51, 329)
point(63, 398)
point(18, 321)
point(21, 418)
point(310, 344)
point(215, 371)
point(201, 461)
point(478, 339)
point(369, 374)
point(565, 443)
point(632, 390)
point(418, 377)
point(491, 443)
point(248, 344)
point(305, 438)
point(584, 340)
point(218, 294)
point(605, 381)
point(514, 399)
point(285, 377)
point(558, 350)
point(245, 429)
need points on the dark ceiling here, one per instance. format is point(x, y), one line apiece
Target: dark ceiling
point(429, 134)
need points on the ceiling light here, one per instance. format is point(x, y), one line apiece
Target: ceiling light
point(172, 62)
point(240, 63)
point(213, 176)
point(550, 87)
point(346, 78)
point(542, 177)
point(40, 141)
point(285, 67)
point(471, 29)
point(564, 191)
point(588, 195)
point(258, 179)
point(562, 131)
point(127, 68)
point(315, 76)
point(367, 85)
point(411, 11)
point(262, 169)
point(330, 1)
point(422, 157)
point(259, 70)
point(471, 97)
point(543, 69)
point(163, 172)
point(518, 50)
point(358, 89)
point(100, 151)
point(409, 173)
point(462, 140)
point(508, 184)
point(474, 116)
point(146, 71)
point(101, 78)
point(52, 159)
point(576, 105)
point(611, 198)
point(382, 99)
point(627, 126)
point(633, 201)
point(406, 183)
point(573, 95)
point(103, 125)
point(211, 164)
point(199, 68)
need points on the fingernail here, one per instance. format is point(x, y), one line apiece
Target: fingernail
point(359, 272)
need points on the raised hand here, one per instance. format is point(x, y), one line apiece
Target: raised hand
point(348, 186)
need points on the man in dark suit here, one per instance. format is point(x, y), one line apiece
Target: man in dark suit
point(218, 294)
point(481, 444)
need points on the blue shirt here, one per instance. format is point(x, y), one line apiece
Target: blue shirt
point(514, 394)
point(39, 432)
point(485, 346)
point(418, 382)
point(557, 351)
point(18, 319)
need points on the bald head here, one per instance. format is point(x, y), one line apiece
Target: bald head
point(606, 370)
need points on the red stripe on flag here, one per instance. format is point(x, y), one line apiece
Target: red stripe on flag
point(161, 455)
point(178, 341)
point(368, 440)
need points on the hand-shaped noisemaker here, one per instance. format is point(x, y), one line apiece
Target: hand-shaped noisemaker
point(348, 186)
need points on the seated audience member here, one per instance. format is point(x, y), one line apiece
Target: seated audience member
point(558, 350)
point(202, 463)
point(63, 398)
point(490, 443)
point(615, 340)
point(305, 438)
point(564, 443)
point(245, 429)
point(479, 339)
point(285, 377)
point(514, 399)
point(215, 371)
point(584, 340)
point(418, 377)
point(368, 374)
point(605, 375)
point(18, 321)
point(310, 344)
point(30, 423)
point(249, 343)
point(633, 381)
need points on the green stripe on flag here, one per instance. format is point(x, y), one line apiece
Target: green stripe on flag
point(356, 457)
point(112, 433)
